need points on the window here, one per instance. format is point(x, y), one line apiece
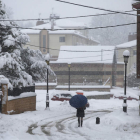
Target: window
point(61, 39)
point(44, 41)
point(134, 52)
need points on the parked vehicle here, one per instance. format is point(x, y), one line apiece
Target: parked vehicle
point(64, 96)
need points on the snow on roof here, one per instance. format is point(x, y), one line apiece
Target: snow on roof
point(43, 26)
point(88, 54)
point(69, 23)
point(48, 26)
point(127, 44)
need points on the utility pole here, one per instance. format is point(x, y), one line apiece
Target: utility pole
point(53, 17)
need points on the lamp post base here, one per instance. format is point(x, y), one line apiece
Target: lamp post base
point(124, 109)
point(47, 104)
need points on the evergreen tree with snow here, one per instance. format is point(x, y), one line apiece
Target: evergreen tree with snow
point(35, 64)
point(13, 63)
point(137, 0)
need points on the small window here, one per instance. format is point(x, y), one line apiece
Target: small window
point(44, 41)
point(61, 39)
point(134, 52)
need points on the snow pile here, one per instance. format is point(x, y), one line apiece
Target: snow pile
point(22, 95)
point(122, 122)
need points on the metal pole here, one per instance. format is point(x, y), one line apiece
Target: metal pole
point(47, 96)
point(139, 105)
point(0, 101)
point(69, 78)
point(125, 99)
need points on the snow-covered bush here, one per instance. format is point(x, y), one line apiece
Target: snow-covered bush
point(132, 79)
point(35, 64)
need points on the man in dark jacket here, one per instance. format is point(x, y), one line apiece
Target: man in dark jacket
point(80, 114)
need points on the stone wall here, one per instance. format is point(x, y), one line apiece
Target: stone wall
point(89, 73)
point(20, 105)
point(16, 104)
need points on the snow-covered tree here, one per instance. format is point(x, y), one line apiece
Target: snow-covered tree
point(35, 64)
point(112, 35)
point(136, 0)
point(13, 63)
point(132, 79)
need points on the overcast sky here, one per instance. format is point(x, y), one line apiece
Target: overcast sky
point(31, 8)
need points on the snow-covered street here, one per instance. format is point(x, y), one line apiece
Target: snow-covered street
point(60, 122)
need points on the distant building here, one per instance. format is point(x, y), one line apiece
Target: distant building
point(95, 65)
point(54, 39)
point(131, 46)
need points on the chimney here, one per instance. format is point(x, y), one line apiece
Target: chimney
point(39, 22)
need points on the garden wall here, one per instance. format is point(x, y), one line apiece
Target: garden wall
point(19, 105)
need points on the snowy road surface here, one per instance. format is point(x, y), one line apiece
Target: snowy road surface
point(60, 122)
point(66, 127)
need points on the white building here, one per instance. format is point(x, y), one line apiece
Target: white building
point(54, 39)
point(131, 47)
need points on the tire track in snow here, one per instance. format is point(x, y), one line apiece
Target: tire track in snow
point(66, 126)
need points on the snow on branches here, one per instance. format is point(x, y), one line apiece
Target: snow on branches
point(19, 65)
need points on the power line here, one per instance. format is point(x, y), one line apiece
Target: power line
point(53, 49)
point(82, 51)
point(64, 50)
point(95, 8)
point(39, 19)
point(93, 15)
point(118, 25)
point(22, 19)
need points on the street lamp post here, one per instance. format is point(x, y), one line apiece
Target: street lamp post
point(47, 59)
point(126, 54)
point(69, 73)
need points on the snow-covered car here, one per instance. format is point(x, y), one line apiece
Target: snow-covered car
point(64, 96)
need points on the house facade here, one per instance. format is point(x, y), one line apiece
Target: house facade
point(131, 47)
point(50, 41)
